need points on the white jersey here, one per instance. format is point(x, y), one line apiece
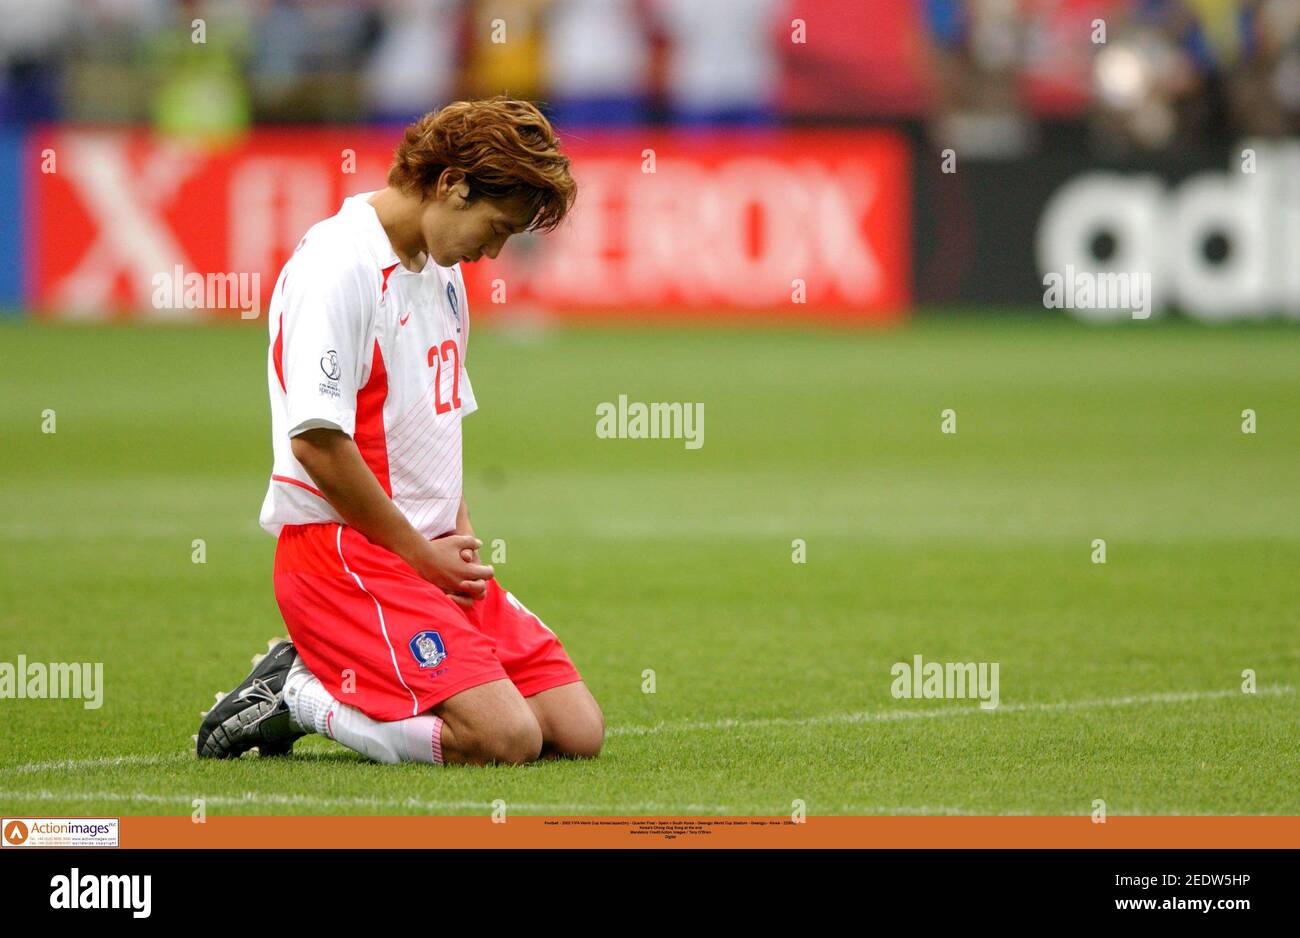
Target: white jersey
point(361, 344)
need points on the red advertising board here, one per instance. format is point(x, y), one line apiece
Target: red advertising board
point(738, 224)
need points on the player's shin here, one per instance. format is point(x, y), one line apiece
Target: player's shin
point(315, 710)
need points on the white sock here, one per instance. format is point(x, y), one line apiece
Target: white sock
point(313, 710)
point(306, 698)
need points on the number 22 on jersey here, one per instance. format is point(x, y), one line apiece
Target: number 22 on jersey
point(448, 352)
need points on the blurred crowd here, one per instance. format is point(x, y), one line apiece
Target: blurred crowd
point(293, 61)
point(1177, 70)
point(1159, 74)
point(1156, 75)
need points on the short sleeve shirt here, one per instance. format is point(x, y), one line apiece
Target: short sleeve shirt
point(360, 344)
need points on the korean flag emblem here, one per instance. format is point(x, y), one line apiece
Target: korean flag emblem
point(455, 303)
point(428, 649)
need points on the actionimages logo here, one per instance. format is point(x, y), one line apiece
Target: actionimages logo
point(59, 832)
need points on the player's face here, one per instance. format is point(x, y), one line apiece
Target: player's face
point(458, 230)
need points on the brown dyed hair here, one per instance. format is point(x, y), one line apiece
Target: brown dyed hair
point(504, 147)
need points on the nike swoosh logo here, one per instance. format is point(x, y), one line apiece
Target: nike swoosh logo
point(402, 321)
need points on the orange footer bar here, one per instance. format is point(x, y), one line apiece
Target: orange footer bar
point(711, 832)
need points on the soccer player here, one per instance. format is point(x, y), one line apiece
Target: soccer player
point(404, 646)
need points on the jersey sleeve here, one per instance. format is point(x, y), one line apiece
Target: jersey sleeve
point(327, 325)
point(468, 402)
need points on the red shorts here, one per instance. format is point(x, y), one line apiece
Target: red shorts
point(390, 643)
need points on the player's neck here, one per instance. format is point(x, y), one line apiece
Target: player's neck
point(399, 214)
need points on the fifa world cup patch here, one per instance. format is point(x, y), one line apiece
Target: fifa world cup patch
point(329, 364)
point(428, 649)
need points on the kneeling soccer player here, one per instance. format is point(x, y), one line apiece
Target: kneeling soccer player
point(404, 647)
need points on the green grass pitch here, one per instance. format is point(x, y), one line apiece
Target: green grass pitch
point(1119, 681)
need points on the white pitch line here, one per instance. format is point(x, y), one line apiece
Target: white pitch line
point(885, 716)
point(869, 716)
point(553, 810)
point(309, 801)
point(73, 764)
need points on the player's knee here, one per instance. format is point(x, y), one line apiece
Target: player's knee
point(513, 741)
point(582, 734)
point(587, 741)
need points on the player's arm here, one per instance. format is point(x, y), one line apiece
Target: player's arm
point(326, 341)
point(463, 526)
point(335, 464)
